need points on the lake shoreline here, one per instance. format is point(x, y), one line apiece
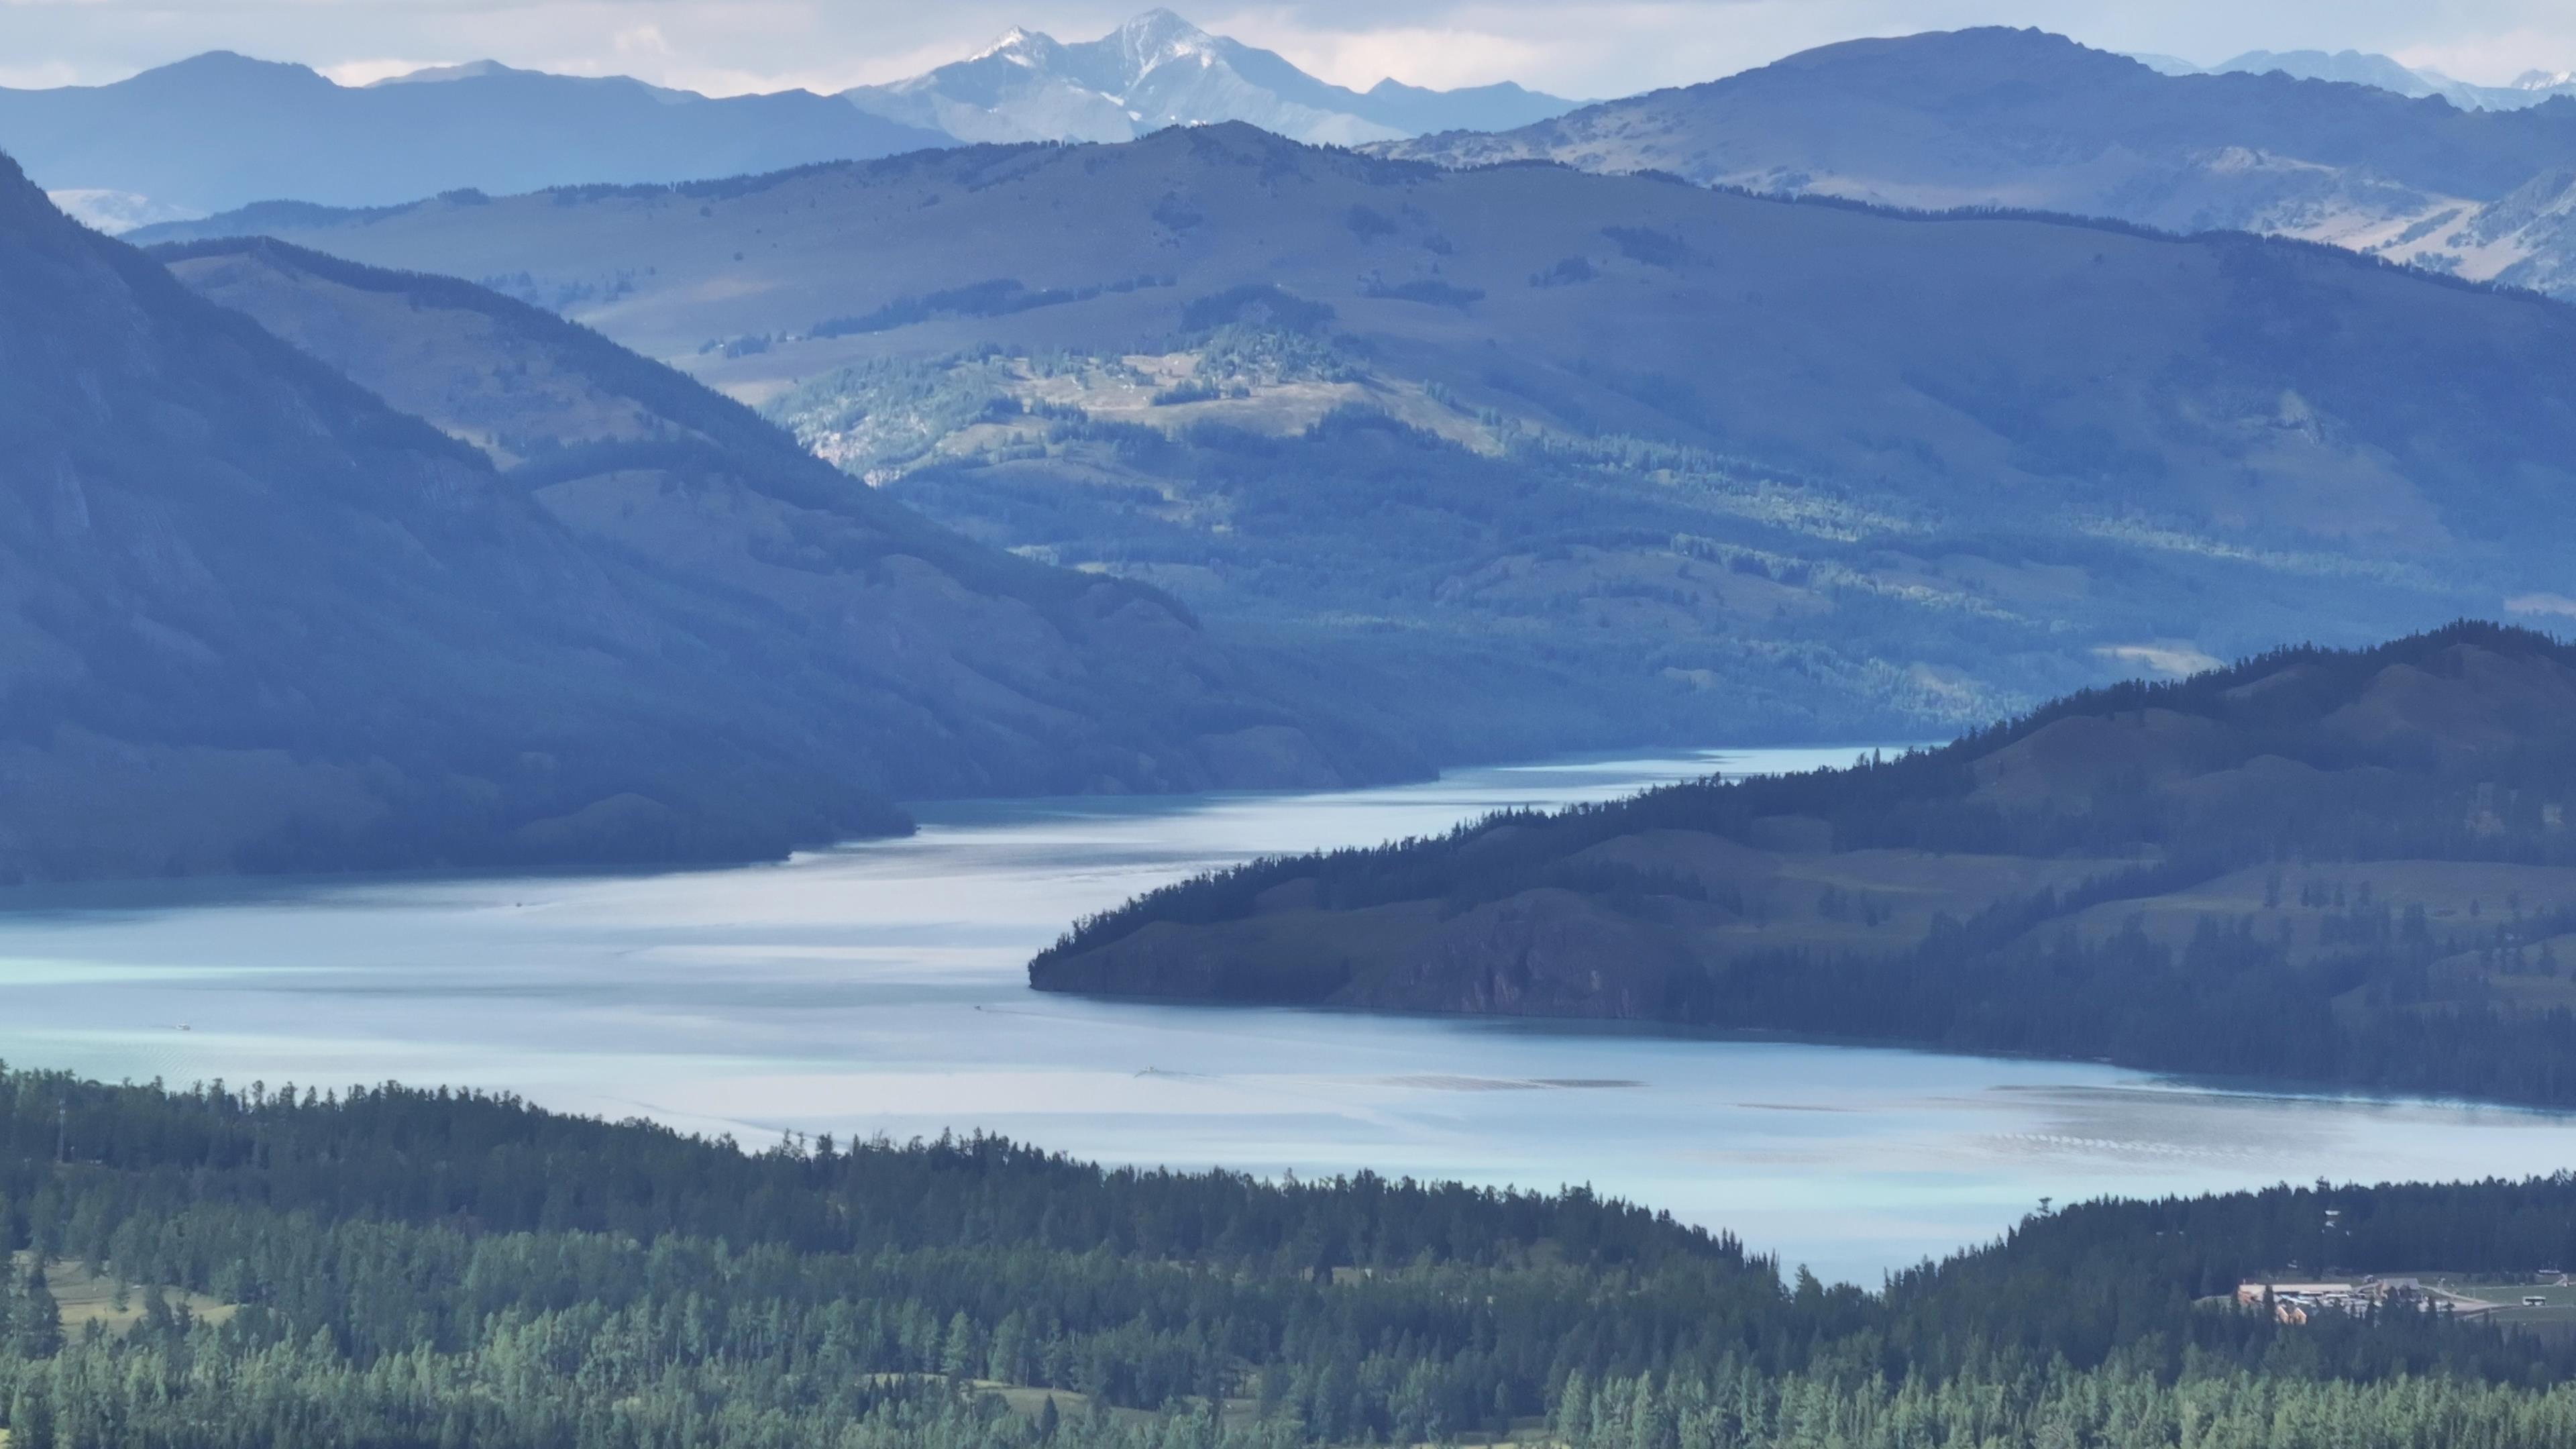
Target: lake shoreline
point(881, 988)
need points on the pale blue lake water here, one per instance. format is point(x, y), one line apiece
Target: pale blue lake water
point(879, 988)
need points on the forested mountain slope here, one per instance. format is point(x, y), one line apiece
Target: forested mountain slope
point(407, 1268)
point(2348, 867)
point(2020, 118)
point(1665, 463)
point(984, 673)
point(258, 621)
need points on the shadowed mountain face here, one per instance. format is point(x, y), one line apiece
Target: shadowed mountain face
point(1159, 70)
point(2022, 119)
point(2348, 867)
point(222, 130)
point(259, 620)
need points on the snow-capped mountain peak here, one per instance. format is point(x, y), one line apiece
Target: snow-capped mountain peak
point(1158, 38)
point(1012, 44)
point(1159, 70)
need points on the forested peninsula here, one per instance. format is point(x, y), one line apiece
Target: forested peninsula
point(393, 1267)
point(2343, 867)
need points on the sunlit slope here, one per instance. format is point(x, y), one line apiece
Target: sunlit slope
point(2019, 118)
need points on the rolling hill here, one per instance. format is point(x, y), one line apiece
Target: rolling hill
point(258, 620)
point(2023, 119)
point(2350, 867)
point(222, 130)
point(1607, 459)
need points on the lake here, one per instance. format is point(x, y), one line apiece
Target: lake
point(880, 988)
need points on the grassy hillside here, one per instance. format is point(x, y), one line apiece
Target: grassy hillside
point(406, 1268)
point(1679, 463)
point(2019, 118)
point(2342, 867)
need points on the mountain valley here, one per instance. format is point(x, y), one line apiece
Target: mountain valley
point(761, 732)
point(1611, 458)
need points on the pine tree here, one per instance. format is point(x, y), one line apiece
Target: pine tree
point(35, 1320)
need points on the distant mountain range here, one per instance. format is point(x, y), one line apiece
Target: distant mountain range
point(221, 131)
point(2531, 88)
point(2021, 119)
point(1589, 458)
point(1159, 70)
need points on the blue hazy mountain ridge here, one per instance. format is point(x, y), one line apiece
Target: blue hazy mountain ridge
point(222, 130)
point(2024, 119)
point(2387, 73)
point(261, 621)
point(1159, 70)
point(1614, 457)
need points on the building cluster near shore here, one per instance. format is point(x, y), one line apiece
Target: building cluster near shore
point(2297, 1302)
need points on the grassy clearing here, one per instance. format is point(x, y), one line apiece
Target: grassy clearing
point(86, 1298)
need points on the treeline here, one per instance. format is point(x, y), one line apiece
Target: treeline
point(414, 1268)
point(2497, 807)
point(2232, 1000)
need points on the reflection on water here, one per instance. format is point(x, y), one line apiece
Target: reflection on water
point(879, 988)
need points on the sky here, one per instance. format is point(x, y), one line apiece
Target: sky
point(1572, 49)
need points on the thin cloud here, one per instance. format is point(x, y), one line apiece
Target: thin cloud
point(368, 72)
point(732, 46)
